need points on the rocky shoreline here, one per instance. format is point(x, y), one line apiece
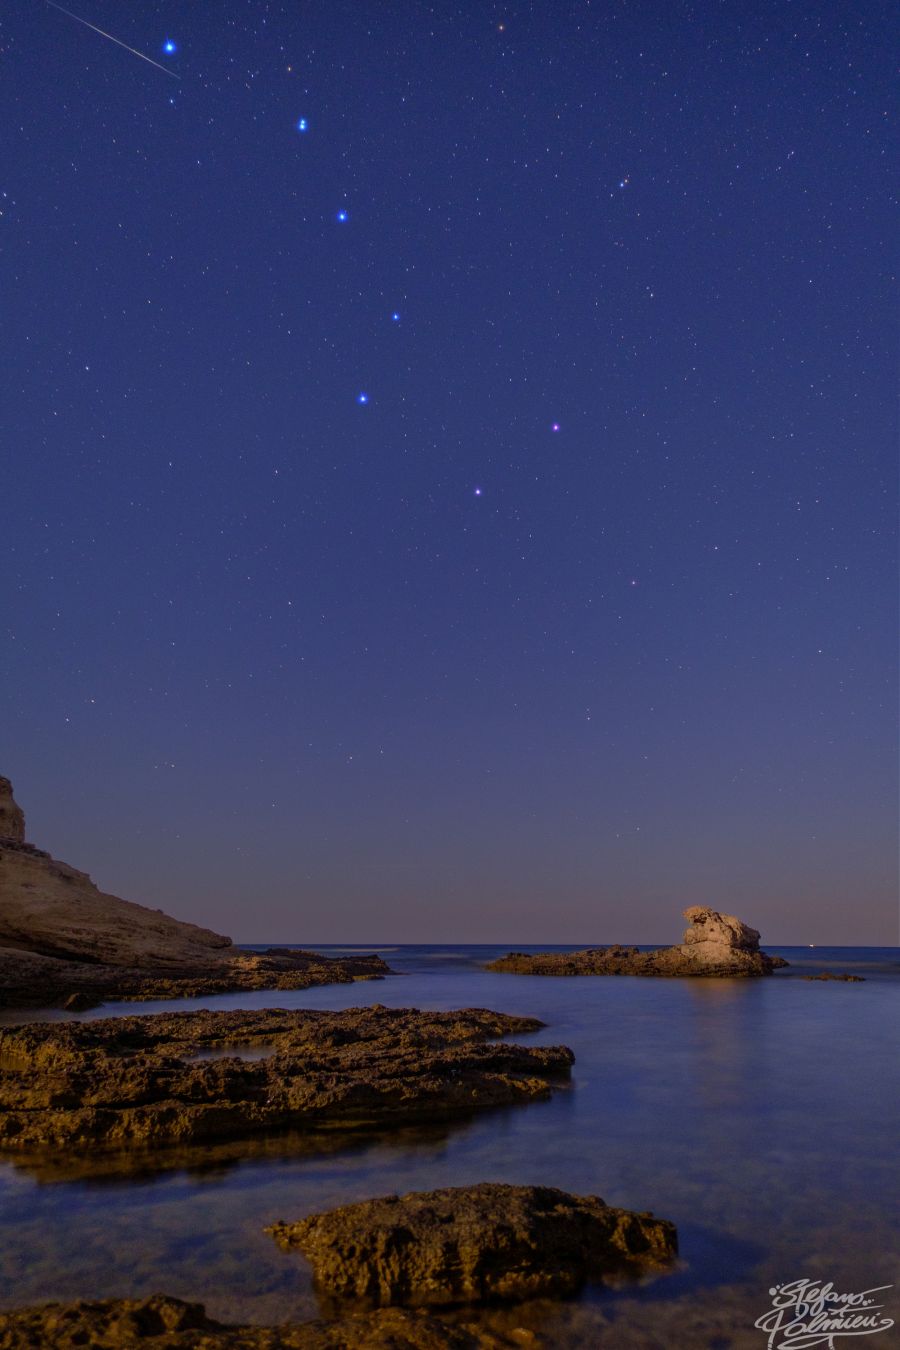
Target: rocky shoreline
point(64, 943)
point(114, 1097)
point(163, 1323)
point(714, 945)
point(31, 981)
point(390, 1271)
point(178, 1078)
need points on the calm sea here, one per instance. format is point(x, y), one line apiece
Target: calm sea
point(762, 1116)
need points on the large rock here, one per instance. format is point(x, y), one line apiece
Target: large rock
point(62, 939)
point(162, 1323)
point(712, 937)
point(472, 1244)
point(51, 909)
point(714, 944)
point(126, 1083)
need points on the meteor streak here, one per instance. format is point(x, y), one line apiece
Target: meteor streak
point(133, 50)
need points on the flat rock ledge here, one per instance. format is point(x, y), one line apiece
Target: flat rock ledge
point(31, 980)
point(713, 945)
point(136, 1082)
point(163, 1323)
point(475, 1244)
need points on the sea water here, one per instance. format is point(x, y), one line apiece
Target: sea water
point(761, 1116)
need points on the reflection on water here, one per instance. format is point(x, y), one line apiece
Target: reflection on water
point(109, 1168)
point(760, 1116)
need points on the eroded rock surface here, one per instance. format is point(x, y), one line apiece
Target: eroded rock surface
point(162, 1323)
point(12, 817)
point(62, 939)
point(132, 1082)
point(29, 981)
point(714, 944)
point(51, 909)
point(473, 1244)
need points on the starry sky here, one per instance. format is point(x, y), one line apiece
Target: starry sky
point(450, 488)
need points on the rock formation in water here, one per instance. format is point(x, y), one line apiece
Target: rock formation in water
point(831, 975)
point(713, 944)
point(126, 1083)
point(474, 1244)
point(62, 937)
point(163, 1323)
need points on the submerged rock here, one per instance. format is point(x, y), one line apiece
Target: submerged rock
point(132, 1082)
point(163, 1323)
point(471, 1244)
point(830, 975)
point(713, 944)
point(62, 939)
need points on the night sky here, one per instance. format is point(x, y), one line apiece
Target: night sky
point(450, 486)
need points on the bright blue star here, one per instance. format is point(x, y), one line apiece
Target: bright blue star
point(342, 216)
point(362, 398)
point(479, 492)
point(396, 317)
point(302, 124)
point(170, 47)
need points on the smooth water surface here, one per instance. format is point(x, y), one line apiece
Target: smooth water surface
point(761, 1116)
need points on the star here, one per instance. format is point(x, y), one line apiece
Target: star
point(170, 47)
point(342, 216)
point(555, 426)
point(302, 124)
point(395, 317)
point(478, 492)
point(362, 397)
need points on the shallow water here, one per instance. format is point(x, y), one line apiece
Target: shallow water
point(760, 1115)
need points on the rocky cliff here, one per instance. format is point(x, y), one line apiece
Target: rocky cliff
point(62, 938)
point(12, 817)
point(51, 909)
